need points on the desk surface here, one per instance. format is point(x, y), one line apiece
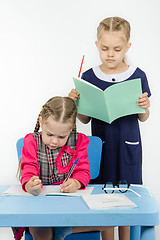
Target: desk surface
point(73, 211)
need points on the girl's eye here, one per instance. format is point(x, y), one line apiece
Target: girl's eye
point(118, 50)
point(104, 49)
point(62, 137)
point(49, 135)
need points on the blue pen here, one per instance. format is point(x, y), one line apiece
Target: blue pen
point(71, 170)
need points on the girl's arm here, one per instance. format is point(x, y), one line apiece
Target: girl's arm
point(144, 102)
point(29, 165)
point(84, 119)
point(143, 116)
point(81, 171)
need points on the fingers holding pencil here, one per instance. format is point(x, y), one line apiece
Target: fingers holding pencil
point(70, 186)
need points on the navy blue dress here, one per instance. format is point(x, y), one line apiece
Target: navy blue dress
point(122, 149)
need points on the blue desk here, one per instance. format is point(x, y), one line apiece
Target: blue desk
point(72, 211)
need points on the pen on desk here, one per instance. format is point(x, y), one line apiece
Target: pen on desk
point(71, 170)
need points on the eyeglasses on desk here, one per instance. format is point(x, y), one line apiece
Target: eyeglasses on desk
point(121, 186)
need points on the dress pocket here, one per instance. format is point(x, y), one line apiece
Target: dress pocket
point(132, 152)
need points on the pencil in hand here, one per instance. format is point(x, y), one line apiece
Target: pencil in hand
point(71, 170)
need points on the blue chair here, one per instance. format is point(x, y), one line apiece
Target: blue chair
point(94, 156)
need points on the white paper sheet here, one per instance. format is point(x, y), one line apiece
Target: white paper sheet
point(16, 190)
point(102, 201)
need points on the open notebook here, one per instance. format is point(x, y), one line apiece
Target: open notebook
point(114, 102)
point(16, 190)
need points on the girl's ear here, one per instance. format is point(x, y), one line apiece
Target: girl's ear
point(96, 42)
point(128, 46)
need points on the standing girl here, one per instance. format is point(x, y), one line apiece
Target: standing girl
point(47, 157)
point(122, 150)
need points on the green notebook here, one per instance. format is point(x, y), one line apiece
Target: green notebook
point(114, 102)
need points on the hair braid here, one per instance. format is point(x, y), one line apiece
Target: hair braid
point(114, 24)
point(62, 109)
point(37, 124)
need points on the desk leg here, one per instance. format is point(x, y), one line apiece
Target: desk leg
point(147, 233)
point(135, 233)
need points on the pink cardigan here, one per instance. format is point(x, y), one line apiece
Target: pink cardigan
point(29, 164)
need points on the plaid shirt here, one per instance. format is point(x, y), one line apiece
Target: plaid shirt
point(55, 164)
point(52, 166)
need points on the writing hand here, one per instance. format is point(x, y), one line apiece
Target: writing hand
point(70, 186)
point(34, 186)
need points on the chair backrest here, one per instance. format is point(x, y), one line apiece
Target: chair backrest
point(94, 154)
point(19, 146)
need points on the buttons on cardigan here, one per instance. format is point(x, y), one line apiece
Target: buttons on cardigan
point(113, 79)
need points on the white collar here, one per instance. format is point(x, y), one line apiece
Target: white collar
point(117, 77)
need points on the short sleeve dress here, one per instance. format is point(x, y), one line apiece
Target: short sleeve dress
point(122, 148)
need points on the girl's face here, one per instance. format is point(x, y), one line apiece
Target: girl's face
point(112, 47)
point(54, 133)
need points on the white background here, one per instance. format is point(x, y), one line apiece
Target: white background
point(41, 47)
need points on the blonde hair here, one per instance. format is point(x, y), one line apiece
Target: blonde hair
point(62, 109)
point(115, 24)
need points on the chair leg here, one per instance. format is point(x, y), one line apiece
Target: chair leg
point(28, 236)
point(135, 232)
point(148, 233)
point(84, 236)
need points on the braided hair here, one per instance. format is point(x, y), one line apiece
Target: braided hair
point(115, 24)
point(62, 109)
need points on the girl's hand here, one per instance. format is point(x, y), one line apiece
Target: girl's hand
point(34, 185)
point(144, 101)
point(74, 94)
point(70, 186)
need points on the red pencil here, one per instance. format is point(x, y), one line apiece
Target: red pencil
point(81, 67)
